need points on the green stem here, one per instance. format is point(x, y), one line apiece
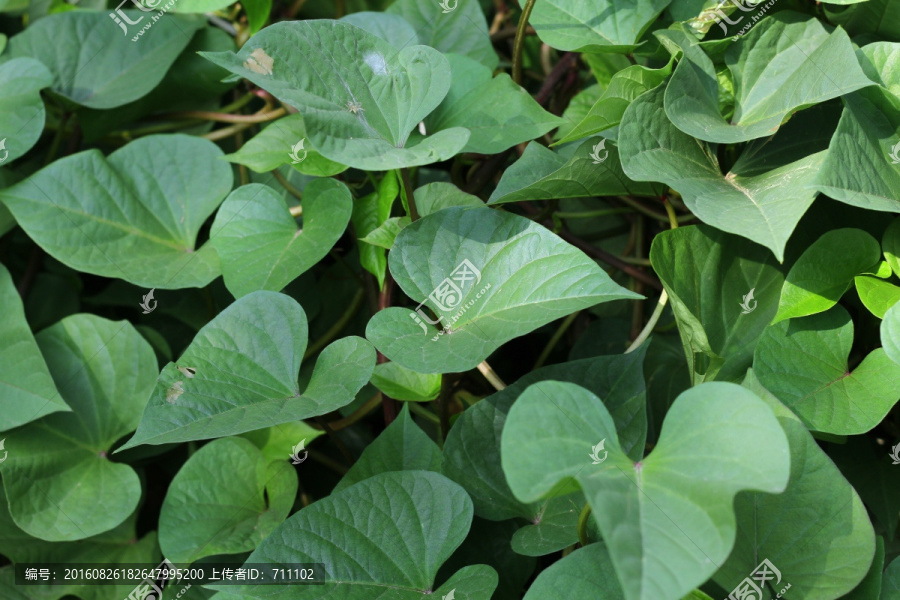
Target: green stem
point(582, 525)
point(295, 211)
point(57, 139)
point(554, 340)
point(420, 410)
point(337, 327)
point(410, 196)
point(519, 44)
point(651, 213)
point(645, 332)
point(370, 405)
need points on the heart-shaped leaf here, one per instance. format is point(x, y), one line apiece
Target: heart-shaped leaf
point(360, 97)
point(603, 26)
point(226, 499)
point(498, 112)
point(240, 374)
point(27, 391)
point(717, 440)
point(134, 215)
point(863, 163)
point(803, 362)
point(119, 545)
point(21, 107)
point(472, 448)
point(723, 294)
point(490, 276)
point(427, 517)
point(460, 30)
point(59, 482)
point(825, 271)
point(96, 64)
point(259, 242)
point(797, 530)
point(763, 207)
point(777, 69)
point(575, 171)
point(402, 446)
point(284, 142)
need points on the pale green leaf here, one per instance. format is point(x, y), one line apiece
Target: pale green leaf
point(260, 244)
point(401, 383)
point(134, 215)
point(241, 373)
point(518, 277)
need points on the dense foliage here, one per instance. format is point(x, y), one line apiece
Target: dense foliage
point(267, 268)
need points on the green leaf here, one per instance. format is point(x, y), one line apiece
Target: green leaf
point(870, 587)
point(240, 374)
point(386, 233)
point(723, 293)
point(804, 363)
point(624, 87)
point(519, 276)
point(369, 213)
point(199, 6)
point(581, 574)
point(93, 64)
point(134, 215)
point(463, 30)
point(498, 112)
point(576, 171)
point(60, 484)
point(800, 543)
point(257, 13)
point(428, 516)
point(825, 271)
point(764, 208)
point(274, 146)
point(890, 584)
point(21, 108)
point(717, 440)
point(556, 527)
point(880, 17)
point(273, 440)
point(359, 96)
point(877, 295)
point(28, 392)
point(861, 168)
point(401, 383)
point(436, 196)
point(114, 547)
point(890, 333)
point(402, 446)
point(472, 448)
point(259, 243)
point(226, 499)
point(777, 69)
point(604, 26)
point(891, 245)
